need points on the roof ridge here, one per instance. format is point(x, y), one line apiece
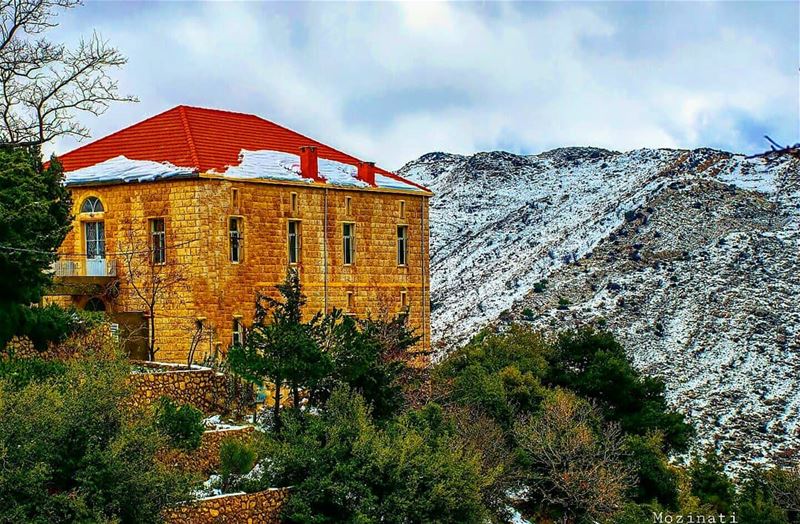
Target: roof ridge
point(189, 139)
point(270, 122)
point(117, 132)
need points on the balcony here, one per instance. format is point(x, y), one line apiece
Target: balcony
point(78, 275)
point(73, 266)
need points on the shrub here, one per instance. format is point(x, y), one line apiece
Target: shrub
point(540, 286)
point(236, 457)
point(527, 313)
point(71, 452)
point(563, 303)
point(710, 484)
point(346, 469)
point(19, 372)
point(182, 424)
point(769, 496)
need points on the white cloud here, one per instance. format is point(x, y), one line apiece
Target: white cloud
point(392, 81)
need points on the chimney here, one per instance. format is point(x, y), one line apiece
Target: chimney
point(366, 172)
point(309, 166)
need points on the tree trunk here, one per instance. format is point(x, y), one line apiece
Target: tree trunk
point(151, 342)
point(277, 412)
point(296, 395)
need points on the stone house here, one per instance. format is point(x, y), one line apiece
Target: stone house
point(194, 210)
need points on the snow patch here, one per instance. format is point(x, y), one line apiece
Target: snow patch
point(124, 169)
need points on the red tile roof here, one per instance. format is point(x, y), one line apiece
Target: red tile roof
point(202, 138)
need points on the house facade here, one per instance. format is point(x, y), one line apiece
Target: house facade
point(186, 215)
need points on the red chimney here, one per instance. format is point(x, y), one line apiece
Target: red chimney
point(309, 167)
point(366, 172)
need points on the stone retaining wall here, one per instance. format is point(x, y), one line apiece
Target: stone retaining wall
point(262, 507)
point(203, 388)
point(205, 459)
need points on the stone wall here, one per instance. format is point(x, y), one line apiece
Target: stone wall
point(205, 459)
point(246, 508)
point(196, 213)
point(203, 388)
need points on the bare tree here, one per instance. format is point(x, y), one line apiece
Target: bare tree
point(152, 274)
point(576, 461)
point(43, 85)
point(201, 330)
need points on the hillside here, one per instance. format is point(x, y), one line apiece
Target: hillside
point(690, 257)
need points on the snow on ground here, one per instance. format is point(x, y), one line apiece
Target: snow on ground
point(689, 257)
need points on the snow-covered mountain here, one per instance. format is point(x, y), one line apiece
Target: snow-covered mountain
point(692, 258)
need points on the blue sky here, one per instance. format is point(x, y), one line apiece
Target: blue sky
point(390, 81)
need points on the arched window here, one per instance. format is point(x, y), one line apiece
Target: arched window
point(92, 205)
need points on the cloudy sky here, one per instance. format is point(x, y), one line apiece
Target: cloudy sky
point(389, 82)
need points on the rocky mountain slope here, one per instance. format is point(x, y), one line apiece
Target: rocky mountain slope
point(690, 257)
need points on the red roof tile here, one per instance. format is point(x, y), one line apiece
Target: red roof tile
point(202, 138)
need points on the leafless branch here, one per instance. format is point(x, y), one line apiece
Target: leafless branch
point(44, 85)
point(152, 284)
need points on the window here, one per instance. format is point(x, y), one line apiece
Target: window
point(350, 301)
point(236, 239)
point(402, 206)
point(235, 198)
point(238, 332)
point(95, 239)
point(294, 202)
point(92, 205)
point(348, 205)
point(348, 243)
point(402, 245)
point(404, 299)
point(158, 245)
point(294, 241)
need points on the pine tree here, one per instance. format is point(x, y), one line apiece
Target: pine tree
point(34, 219)
point(280, 347)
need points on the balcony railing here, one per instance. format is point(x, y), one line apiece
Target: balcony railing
point(75, 266)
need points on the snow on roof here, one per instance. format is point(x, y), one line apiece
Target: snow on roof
point(393, 183)
point(121, 169)
point(262, 164)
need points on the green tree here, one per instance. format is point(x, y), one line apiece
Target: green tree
point(71, 452)
point(594, 365)
point(369, 356)
point(769, 496)
point(710, 484)
point(346, 469)
point(34, 219)
point(500, 373)
point(280, 347)
point(656, 479)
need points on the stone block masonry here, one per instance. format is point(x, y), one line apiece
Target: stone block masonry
point(197, 213)
point(205, 459)
point(262, 507)
point(201, 387)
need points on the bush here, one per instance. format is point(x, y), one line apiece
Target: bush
point(19, 372)
point(70, 451)
point(183, 425)
point(346, 469)
point(540, 287)
point(769, 496)
point(237, 457)
point(710, 484)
